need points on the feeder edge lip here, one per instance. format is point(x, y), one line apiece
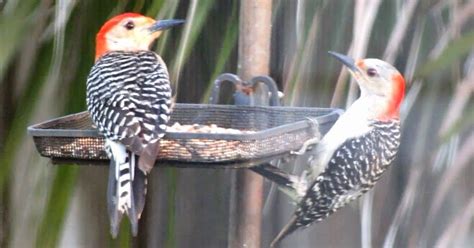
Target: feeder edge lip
point(33, 130)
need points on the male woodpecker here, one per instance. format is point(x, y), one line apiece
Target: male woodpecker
point(129, 100)
point(359, 147)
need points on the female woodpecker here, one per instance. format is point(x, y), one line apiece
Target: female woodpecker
point(359, 147)
point(129, 100)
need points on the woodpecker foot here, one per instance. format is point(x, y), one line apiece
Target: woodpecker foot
point(308, 144)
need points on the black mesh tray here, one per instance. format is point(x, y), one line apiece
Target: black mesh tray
point(277, 130)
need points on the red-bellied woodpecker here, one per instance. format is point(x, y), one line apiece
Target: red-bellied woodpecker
point(359, 147)
point(129, 100)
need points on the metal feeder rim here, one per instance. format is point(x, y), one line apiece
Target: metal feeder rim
point(33, 130)
point(230, 164)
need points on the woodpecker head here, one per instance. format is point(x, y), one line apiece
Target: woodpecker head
point(130, 32)
point(379, 79)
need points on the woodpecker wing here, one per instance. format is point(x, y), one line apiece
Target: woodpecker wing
point(354, 167)
point(129, 98)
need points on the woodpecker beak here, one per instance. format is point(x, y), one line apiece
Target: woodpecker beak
point(347, 61)
point(164, 24)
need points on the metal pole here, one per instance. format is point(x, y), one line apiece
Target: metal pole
point(247, 186)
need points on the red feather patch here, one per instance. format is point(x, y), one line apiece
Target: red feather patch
point(101, 43)
point(393, 108)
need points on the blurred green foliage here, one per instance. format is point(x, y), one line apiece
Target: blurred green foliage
point(47, 50)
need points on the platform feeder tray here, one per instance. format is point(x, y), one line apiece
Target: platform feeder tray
point(275, 131)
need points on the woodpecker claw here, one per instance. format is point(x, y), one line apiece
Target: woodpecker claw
point(307, 146)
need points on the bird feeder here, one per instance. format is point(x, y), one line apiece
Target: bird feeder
point(252, 136)
point(259, 133)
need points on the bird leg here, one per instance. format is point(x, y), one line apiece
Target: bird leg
point(293, 186)
point(308, 144)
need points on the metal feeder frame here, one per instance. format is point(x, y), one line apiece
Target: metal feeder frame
point(282, 133)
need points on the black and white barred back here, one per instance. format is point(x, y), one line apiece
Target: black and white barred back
point(129, 99)
point(352, 170)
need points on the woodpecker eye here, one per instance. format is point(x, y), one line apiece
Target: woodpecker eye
point(372, 72)
point(129, 25)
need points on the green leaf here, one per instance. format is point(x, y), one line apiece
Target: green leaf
point(58, 204)
point(453, 52)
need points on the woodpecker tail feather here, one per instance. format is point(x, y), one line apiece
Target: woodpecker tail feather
point(288, 229)
point(148, 156)
point(114, 213)
point(139, 187)
point(126, 188)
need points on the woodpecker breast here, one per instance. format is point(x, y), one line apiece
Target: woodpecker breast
point(352, 170)
point(129, 98)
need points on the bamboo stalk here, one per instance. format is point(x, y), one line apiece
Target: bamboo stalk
point(457, 228)
point(400, 30)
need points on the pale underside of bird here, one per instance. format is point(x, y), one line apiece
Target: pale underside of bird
point(356, 151)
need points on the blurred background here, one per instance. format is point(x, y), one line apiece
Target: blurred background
point(425, 200)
